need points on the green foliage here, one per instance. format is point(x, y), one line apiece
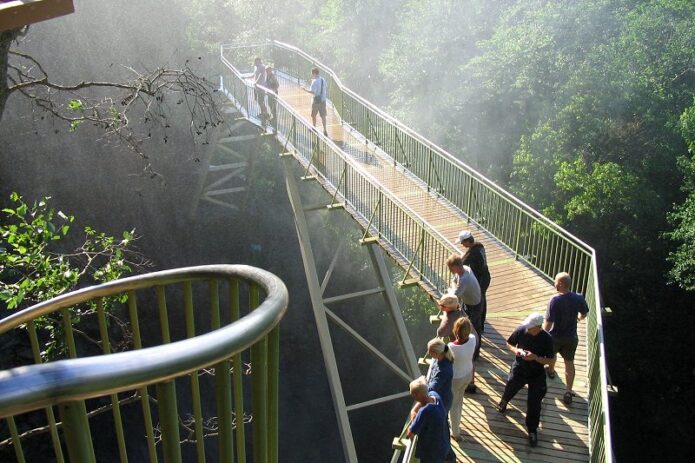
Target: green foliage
point(33, 267)
point(683, 215)
point(599, 192)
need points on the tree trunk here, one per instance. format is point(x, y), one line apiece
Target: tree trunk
point(6, 38)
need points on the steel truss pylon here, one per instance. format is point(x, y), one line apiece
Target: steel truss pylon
point(322, 314)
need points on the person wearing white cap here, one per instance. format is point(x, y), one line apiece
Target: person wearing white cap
point(532, 348)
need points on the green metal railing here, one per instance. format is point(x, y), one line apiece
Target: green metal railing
point(214, 352)
point(419, 248)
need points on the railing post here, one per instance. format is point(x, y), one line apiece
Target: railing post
point(168, 421)
point(518, 235)
point(273, 393)
point(78, 437)
point(259, 391)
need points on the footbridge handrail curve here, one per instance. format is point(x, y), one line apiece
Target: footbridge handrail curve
point(32, 387)
point(202, 348)
point(531, 237)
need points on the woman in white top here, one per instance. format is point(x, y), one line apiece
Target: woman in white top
point(463, 348)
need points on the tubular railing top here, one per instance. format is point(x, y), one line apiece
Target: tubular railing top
point(441, 151)
point(27, 388)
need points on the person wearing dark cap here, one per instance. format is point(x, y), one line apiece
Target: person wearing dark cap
point(474, 256)
point(533, 349)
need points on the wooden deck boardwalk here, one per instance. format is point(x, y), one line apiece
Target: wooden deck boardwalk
point(515, 291)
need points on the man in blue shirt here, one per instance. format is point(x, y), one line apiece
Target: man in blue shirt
point(564, 311)
point(430, 425)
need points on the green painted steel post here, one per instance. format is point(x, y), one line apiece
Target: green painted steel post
point(144, 394)
point(238, 377)
point(223, 386)
point(518, 235)
point(16, 441)
point(259, 392)
point(78, 437)
point(169, 421)
point(195, 384)
point(50, 416)
point(273, 393)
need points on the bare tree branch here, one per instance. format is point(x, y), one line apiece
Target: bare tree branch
point(126, 111)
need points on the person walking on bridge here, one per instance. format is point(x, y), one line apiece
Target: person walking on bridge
point(318, 103)
point(532, 348)
point(564, 311)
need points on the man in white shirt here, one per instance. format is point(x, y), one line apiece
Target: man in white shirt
point(318, 105)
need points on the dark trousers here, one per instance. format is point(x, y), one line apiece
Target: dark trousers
point(475, 314)
point(536, 391)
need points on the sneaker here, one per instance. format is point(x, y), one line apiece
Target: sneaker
point(551, 374)
point(471, 388)
point(325, 133)
point(533, 438)
point(501, 407)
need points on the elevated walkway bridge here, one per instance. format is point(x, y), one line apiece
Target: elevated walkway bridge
point(411, 199)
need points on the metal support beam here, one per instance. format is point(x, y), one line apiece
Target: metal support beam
point(380, 400)
point(389, 293)
point(319, 314)
point(369, 346)
point(322, 315)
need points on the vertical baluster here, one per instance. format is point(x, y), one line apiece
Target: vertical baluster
point(76, 430)
point(166, 394)
point(259, 393)
point(144, 395)
point(16, 441)
point(223, 386)
point(53, 429)
point(238, 377)
point(78, 437)
point(115, 407)
point(195, 384)
point(273, 393)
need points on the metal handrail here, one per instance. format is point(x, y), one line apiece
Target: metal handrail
point(28, 388)
point(531, 236)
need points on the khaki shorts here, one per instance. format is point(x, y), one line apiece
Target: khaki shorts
point(318, 108)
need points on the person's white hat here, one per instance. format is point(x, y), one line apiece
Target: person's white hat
point(464, 235)
point(534, 319)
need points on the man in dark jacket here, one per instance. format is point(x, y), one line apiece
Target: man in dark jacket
point(473, 255)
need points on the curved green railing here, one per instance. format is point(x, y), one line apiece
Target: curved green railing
point(210, 350)
point(529, 235)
